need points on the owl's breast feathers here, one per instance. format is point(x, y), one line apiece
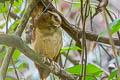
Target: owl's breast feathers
point(47, 38)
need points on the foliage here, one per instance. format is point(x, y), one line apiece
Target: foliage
point(112, 75)
point(114, 27)
point(3, 8)
point(70, 48)
point(91, 71)
point(19, 65)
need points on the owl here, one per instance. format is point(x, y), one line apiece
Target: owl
point(46, 37)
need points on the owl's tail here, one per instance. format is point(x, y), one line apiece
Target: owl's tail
point(43, 73)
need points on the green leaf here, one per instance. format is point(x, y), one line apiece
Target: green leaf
point(9, 69)
point(78, 4)
point(17, 3)
point(75, 70)
point(2, 55)
point(72, 48)
point(21, 14)
point(113, 74)
point(1, 26)
point(16, 54)
point(88, 77)
point(16, 10)
point(114, 27)
point(19, 65)
point(3, 8)
point(8, 79)
point(13, 26)
point(55, 1)
point(102, 34)
point(90, 70)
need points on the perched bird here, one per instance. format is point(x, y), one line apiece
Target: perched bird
point(46, 37)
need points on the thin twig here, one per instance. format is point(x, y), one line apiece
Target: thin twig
point(111, 41)
point(82, 56)
point(105, 50)
point(67, 53)
point(12, 1)
point(15, 70)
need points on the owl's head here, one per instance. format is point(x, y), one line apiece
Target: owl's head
point(55, 19)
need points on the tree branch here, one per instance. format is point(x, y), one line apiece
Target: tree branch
point(23, 47)
point(21, 26)
point(76, 33)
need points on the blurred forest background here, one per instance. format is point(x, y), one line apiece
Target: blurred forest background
point(102, 62)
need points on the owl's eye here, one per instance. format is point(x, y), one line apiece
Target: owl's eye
point(55, 22)
point(55, 19)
